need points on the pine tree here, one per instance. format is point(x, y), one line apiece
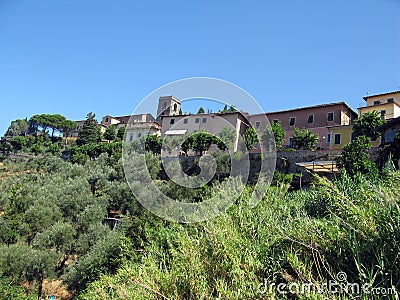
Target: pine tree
point(90, 132)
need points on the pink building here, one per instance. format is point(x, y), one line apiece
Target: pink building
point(315, 118)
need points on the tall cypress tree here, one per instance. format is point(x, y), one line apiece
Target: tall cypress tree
point(90, 132)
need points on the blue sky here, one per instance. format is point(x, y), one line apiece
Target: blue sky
point(72, 57)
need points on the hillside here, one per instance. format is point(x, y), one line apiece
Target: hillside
point(52, 228)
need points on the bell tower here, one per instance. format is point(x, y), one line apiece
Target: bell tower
point(168, 106)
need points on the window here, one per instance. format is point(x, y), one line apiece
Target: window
point(185, 121)
point(204, 120)
point(291, 142)
point(338, 139)
point(292, 121)
point(257, 124)
point(310, 119)
point(131, 138)
point(139, 135)
point(172, 121)
point(383, 114)
point(328, 138)
point(330, 116)
point(390, 100)
point(377, 102)
point(106, 120)
point(197, 120)
point(276, 121)
point(390, 135)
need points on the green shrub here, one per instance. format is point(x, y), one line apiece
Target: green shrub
point(104, 258)
point(355, 158)
point(349, 225)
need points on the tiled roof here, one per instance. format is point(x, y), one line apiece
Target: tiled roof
point(383, 94)
point(312, 107)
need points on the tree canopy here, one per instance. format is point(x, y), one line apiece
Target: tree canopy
point(121, 133)
point(18, 127)
point(110, 134)
point(201, 110)
point(153, 144)
point(365, 125)
point(355, 158)
point(278, 132)
point(44, 122)
point(67, 128)
point(227, 137)
point(304, 139)
point(251, 138)
point(90, 132)
point(199, 142)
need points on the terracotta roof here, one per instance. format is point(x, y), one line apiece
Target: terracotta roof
point(241, 114)
point(311, 107)
point(383, 94)
point(146, 114)
point(125, 119)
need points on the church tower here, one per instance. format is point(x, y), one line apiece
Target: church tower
point(168, 106)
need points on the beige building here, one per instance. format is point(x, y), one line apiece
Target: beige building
point(136, 131)
point(78, 128)
point(339, 136)
point(387, 104)
point(124, 120)
point(213, 123)
point(138, 125)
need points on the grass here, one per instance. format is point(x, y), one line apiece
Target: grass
point(350, 225)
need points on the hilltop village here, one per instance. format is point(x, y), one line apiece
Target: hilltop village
point(331, 122)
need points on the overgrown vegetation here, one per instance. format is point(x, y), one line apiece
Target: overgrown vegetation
point(53, 226)
point(72, 227)
point(365, 125)
point(351, 225)
point(356, 158)
point(304, 139)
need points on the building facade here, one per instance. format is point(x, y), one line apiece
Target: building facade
point(389, 130)
point(316, 118)
point(339, 136)
point(123, 121)
point(387, 104)
point(138, 130)
point(138, 124)
point(168, 106)
point(78, 128)
point(213, 123)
